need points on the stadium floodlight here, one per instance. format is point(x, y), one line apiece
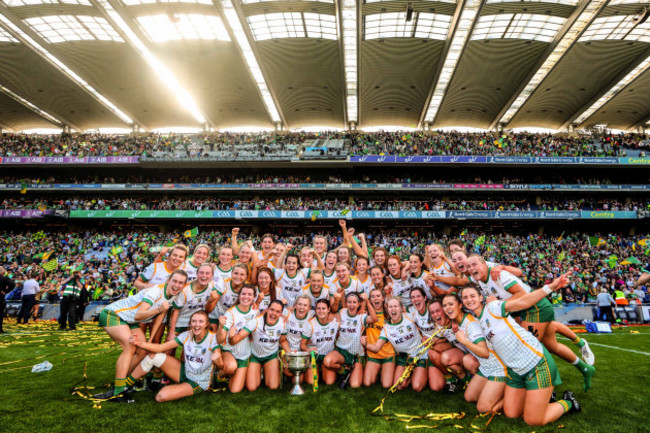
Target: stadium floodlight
point(232, 18)
point(31, 106)
point(182, 95)
point(572, 34)
point(616, 88)
point(350, 58)
point(38, 48)
point(460, 37)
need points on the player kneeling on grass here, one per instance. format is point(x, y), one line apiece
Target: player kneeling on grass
point(348, 351)
point(268, 331)
point(488, 384)
point(193, 374)
point(121, 320)
point(320, 336)
point(531, 370)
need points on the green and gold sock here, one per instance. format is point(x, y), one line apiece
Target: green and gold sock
point(120, 385)
point(566, 405)
point(578, 342)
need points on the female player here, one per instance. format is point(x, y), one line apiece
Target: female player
point(200, 256)
point(531, 370)
point(439, 267)
point(419, 311)
point(379, 256)
point(320, 336)
point(193, 374)
point(401, 285)
point(487, 386)
point(403, 334)
point(384, 360)
point(348, 350)
point(266, 288)
point(122, 319)
point(330, 262)
point(316, 289)
point(223, 269)
point(225, 294)
point(361, 272)
point(196, 295)
point(378, 278)
point(268, 332)
point(235, 356)
point(158, 272)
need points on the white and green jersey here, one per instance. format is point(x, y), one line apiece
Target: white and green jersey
point(329, 279)
point(265, 338)
point(190, 269)
point(404, 336)
point(424, 321)
point(492, 366)
point(154, 296)
point(228, 298)
point(401, 289)
point(444, 270)
point(266, 301)
point(295, 328)
point(156, 273)
point(324, 294)
point(352, 286)
point(350, 330)
point(236, 319)
point(499, 288)
point(290, 287)
point(448, 334)
point(321, 336)
point(221, 275)
point(193, 302)
point(197, 357)
point(365, 285)
point(517, 348)
point(421, 282)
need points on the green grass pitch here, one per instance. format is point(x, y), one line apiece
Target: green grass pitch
point(30, 402)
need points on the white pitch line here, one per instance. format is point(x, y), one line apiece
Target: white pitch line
point(619, 348)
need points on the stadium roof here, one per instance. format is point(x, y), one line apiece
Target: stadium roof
point(89, 64)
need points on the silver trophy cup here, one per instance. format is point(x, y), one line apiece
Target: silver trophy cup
point(297, 363)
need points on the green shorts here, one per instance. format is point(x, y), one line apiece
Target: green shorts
point(196, 389)
point(241, 363)
point(264, 360)
point(541, 312)
point(109, 318)
point(214, 321)
point(319, 359)
point(382, 361)
point(348, 358)
point(403, 360)
point(491, 378)
point(180, 329)
point(544, 375)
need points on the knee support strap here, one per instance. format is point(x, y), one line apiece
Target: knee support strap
point(150, 362)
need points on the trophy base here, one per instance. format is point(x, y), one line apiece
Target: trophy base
point(297, 390)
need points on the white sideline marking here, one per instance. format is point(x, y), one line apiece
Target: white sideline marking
point(619, 348)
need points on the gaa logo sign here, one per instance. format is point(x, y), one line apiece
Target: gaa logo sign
point(410, 215)
point(222, 214)
point(293, 214)
point(268, 214)
point(362, 214)
point(247, 214)
point(386, 215)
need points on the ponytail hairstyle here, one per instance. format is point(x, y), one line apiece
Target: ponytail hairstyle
point(354, 295)
point(421, 258)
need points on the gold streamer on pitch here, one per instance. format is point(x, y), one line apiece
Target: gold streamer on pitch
point(379, 410)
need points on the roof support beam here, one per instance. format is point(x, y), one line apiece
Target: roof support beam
point(235, 22)
point(42, 113)
point(613, 88)
point(18, 30)
point(462, 24)
point(644, 123)
point(349, 17)
point(112, 10)
point(579, 20)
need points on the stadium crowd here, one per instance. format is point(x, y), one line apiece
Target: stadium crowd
point(378, 143)
point(307, 203)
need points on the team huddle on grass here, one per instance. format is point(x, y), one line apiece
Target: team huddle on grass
point(463, 323)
